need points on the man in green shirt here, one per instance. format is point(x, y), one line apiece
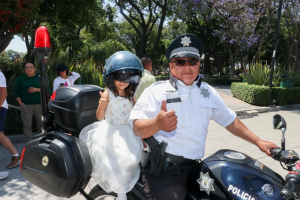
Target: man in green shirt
point(27, 93)
point(147, 79)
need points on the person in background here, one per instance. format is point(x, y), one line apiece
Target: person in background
point(147, 79)
point(27, 93)
point(63, 79)
point(5, 141)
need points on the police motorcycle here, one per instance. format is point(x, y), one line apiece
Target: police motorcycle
point(61, 165)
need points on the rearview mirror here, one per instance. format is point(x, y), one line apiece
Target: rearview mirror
point(278, 122)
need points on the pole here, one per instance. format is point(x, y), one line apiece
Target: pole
point(274, 50)
point(42, 51)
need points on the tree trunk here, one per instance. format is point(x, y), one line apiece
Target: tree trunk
point(5, 39)
point(232, 61)
point(143, 44)
point(161, 23)
point(207, 67)
point(288, 59)
point(29, 46)
point(297, 53)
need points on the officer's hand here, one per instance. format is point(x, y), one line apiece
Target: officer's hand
point(102, 102)
point(166, 120)
point(265, 146)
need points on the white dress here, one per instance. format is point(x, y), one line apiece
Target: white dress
point(114, 149)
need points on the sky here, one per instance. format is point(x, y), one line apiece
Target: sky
point(17, 45)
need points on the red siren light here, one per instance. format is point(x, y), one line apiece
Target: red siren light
point(42, 37)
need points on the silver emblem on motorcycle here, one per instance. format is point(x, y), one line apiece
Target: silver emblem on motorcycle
point(206, 183)
point(45, 161)
point(268, 189)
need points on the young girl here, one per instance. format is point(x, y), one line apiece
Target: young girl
point(63, 79)
point(114, 149)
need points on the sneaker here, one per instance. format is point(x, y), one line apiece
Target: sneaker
point(15, 160)
point(3, 175)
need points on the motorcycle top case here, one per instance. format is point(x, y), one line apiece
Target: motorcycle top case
point(74, 107)
point(57, 163)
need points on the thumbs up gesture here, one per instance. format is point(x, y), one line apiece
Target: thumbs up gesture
point(166, 120)
point(102, 102)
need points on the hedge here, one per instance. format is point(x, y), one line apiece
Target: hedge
point(221, 81)
point(252, 94)
point(284, 96)
point(260, 95)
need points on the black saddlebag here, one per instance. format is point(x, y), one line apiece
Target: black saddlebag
point(74, 107)
point(57, 163)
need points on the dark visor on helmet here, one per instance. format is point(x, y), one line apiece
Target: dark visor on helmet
point(127, 77)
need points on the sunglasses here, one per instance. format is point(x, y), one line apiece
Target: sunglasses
point(181, 62)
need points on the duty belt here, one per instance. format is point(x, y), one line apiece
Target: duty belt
point(152, 142)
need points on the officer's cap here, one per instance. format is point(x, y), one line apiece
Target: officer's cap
point(186, 45)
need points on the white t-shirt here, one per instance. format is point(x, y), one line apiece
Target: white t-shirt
point(3, 84)
point(67, 82)
point(196, 107)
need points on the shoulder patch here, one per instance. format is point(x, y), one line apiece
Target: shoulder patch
point(140, 106)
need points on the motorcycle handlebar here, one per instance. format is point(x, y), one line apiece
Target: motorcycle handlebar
point(276, 153)
point(287, 191)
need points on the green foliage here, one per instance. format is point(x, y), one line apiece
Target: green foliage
point(162, 77)
point(13, 122)
point(101, 51)
point(15, 14)
point(284, 96)
point(221, 81)
point(293, 77)
point(90, 73)
point(252, 94)
point(259, 74)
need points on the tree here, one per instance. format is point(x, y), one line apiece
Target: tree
point(142, 16)
point(239, 21)
point(291, 24)
point(201, 22)
point(65, 21)
point(236, 22)
point(14, 18)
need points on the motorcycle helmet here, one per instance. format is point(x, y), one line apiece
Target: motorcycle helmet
point(123, 66)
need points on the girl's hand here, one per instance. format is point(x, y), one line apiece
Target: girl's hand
point(102, 102)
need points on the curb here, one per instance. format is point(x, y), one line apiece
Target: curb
point(254, 111)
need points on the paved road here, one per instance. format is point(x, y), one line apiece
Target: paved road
point(15, 187)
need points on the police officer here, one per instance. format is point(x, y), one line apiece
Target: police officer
point(178, 112)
